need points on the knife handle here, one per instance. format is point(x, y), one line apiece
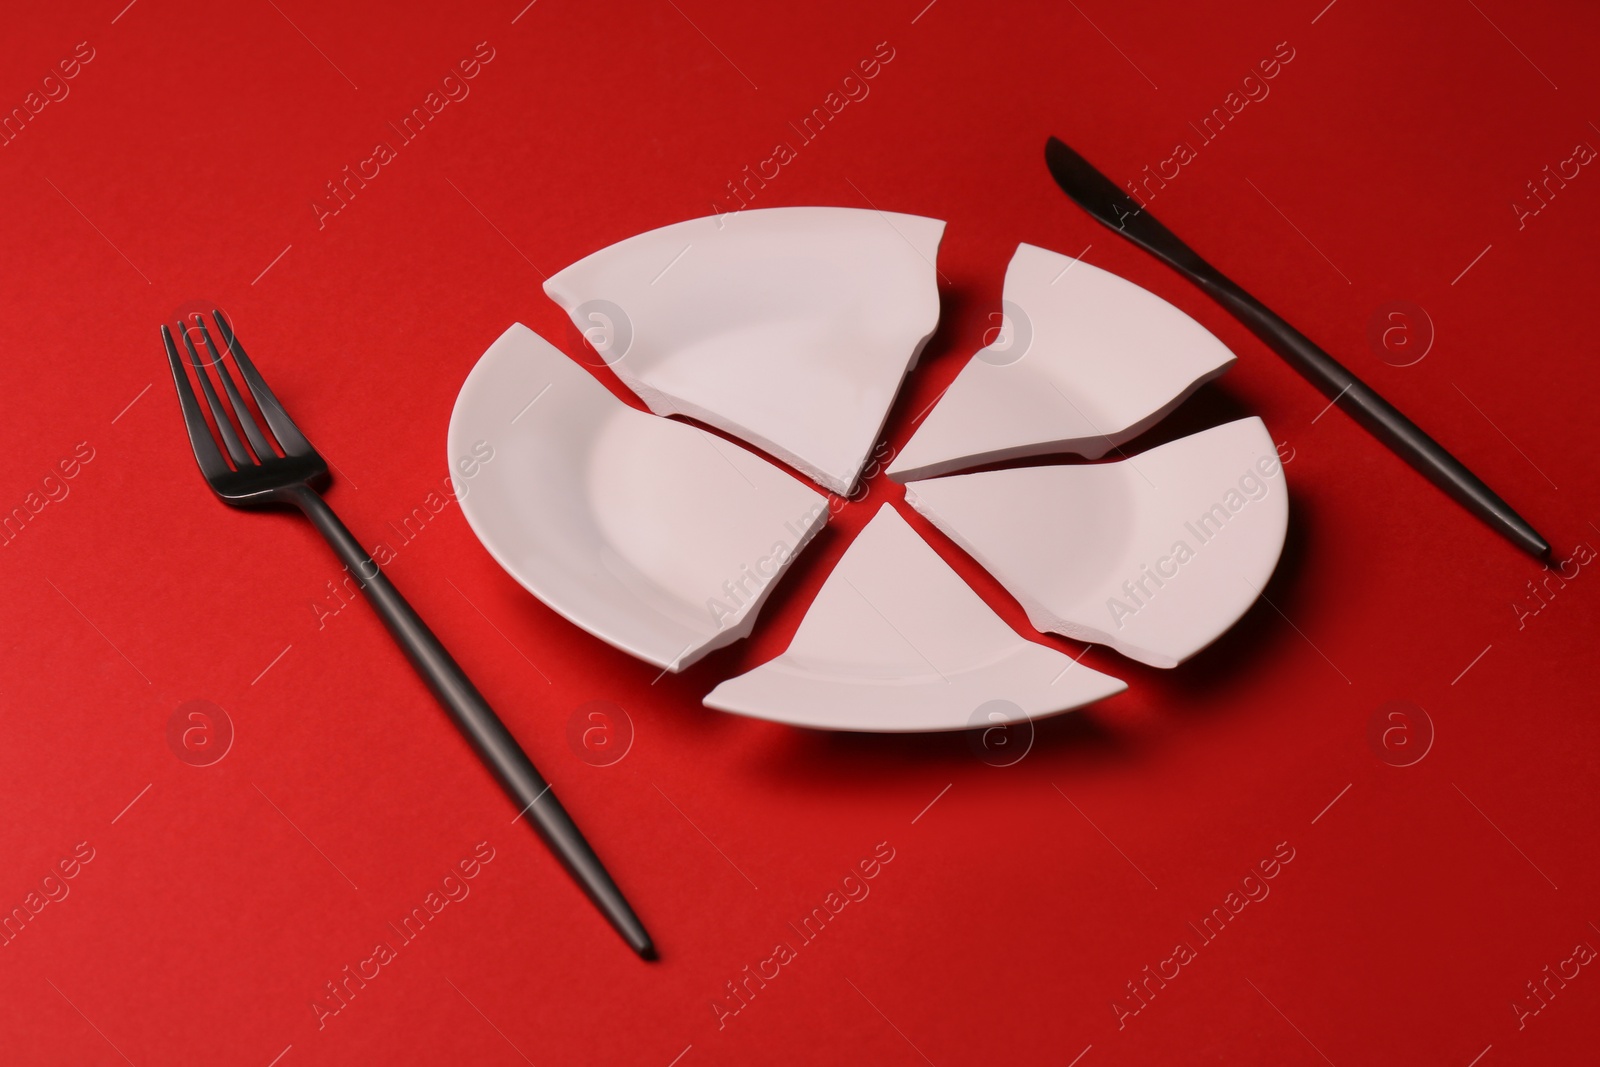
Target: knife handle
point(1380, 418)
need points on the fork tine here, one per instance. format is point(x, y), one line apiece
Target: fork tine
point(241, 458)
point(205, 448)
point(258, 441)
point(283, 427)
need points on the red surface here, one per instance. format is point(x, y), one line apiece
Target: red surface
point(182, 165)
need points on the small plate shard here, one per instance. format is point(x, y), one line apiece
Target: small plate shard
point(1084, 361)
point(660, 538)
point(895, 641)
point(790, 328)
point(1156, 555)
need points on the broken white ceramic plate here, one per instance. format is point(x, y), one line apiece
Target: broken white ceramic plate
point(1084, 361)
point(1156, 555)
point(790, 328)
point(897, 642)
point(656, 536)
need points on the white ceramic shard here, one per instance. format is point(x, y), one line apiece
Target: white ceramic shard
point(656, 536)
point(790, 328)
point(1155, 555)
point(1083, 361)
point(896, 642)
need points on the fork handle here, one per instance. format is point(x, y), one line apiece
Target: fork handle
point(477, 720)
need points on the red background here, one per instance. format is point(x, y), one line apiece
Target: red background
point(184, 161)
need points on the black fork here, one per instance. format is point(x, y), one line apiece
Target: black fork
point(279, 467)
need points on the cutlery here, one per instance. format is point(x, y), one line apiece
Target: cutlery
point(1115, 209)
point(258, 476)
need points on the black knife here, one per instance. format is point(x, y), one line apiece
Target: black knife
point(1100, 197)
